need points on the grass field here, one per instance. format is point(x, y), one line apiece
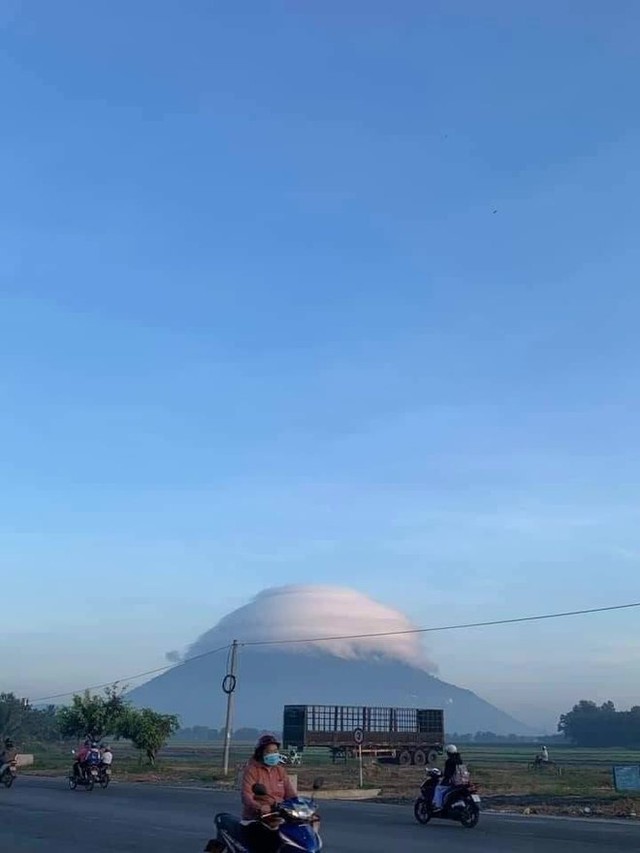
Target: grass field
point(497, 769)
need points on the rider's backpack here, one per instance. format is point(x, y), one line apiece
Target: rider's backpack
point(461, 776)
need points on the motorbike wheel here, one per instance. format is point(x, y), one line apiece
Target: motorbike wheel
point(7, 780)
point(90, 784)
point(73, 783)
point(471, 816)
point(104, 782)
point(421, 811)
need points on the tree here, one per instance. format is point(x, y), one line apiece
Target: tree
point(92, 715)
point(13, 712)
point(588, 724)
point(147, 730)
point(41, 724)
point(19, 720)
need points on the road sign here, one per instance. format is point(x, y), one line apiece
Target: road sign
point(626, 777)
point(358, 736)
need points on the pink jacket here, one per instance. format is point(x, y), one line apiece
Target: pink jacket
point(274, 779)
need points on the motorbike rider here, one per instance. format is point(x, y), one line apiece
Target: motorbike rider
point(81, 758)
point(264, 768)
point(7, 755)
point(454, 760)
point(106, 756)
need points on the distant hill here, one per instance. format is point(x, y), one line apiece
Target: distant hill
point(361, 652)
point(268, 681)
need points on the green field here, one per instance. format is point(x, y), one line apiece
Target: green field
point(575, 757)
point(506, 766)
point(500, 772)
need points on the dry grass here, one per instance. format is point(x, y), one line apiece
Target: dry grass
point(508, 785)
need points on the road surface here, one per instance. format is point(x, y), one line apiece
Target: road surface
point(43, 815)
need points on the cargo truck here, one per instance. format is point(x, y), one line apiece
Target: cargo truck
point(399, 735)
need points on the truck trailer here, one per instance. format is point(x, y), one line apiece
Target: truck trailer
point(399, 735)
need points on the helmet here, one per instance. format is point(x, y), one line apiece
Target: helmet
point(452, 749)
point(267, 740)
point(8, 742)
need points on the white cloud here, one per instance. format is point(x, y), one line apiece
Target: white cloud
point(314, 612)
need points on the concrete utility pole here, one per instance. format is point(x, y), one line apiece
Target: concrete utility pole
point(229, 686)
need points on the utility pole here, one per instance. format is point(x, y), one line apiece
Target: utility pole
point(229, 685)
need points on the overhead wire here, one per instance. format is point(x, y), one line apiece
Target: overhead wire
point(132, 677)
point(485, 624)
point(334, 638)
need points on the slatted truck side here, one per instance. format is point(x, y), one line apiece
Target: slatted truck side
point(401, 735)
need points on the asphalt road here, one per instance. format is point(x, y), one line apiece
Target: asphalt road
point(43, 815)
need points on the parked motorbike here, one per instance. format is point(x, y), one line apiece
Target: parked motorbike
point(292, 758)
point(461, 802)
point(294, 820)
point(9, 774)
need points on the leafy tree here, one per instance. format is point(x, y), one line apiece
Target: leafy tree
point(147, 730)
point(13, 712)
point(588, 724)
point(92, 715)
point(19, 720)
point(41, 724)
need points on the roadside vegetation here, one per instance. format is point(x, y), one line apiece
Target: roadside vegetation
point(146, 749)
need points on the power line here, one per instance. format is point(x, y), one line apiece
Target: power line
point(301, 640)
point(130, 677)
point(406, 631)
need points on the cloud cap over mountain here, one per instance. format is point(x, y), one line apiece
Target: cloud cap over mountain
point(295, 612)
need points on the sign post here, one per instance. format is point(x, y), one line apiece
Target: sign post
point(358, 737)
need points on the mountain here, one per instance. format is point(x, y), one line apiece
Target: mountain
point(388, 669)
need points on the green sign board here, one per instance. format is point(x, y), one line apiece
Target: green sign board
point(626, 777)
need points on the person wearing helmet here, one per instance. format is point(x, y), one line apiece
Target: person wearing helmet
point(7, 754)
point(92, 758)
point(106, 755)
point(81, 758)
point(264, 768)
point(454, 760)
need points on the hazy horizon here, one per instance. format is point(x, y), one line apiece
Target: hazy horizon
point(342, 294)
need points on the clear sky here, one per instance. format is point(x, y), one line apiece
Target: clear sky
point(341, 292)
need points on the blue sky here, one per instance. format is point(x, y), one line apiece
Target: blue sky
point(342, 292)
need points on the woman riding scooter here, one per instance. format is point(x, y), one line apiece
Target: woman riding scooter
point(265, 768)
point(264, 772)
point(454, 760)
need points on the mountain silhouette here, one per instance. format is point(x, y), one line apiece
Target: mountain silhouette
point(360, 652)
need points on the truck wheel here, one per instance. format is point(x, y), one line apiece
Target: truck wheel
point(419, 758)
point(432, 757)
point(404, 759)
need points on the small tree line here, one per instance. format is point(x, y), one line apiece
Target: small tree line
point(589, 724)
point(89, 715)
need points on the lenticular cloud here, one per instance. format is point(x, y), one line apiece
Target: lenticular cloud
point(314, 612)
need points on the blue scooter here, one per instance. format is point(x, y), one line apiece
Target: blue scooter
point(293, 821)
